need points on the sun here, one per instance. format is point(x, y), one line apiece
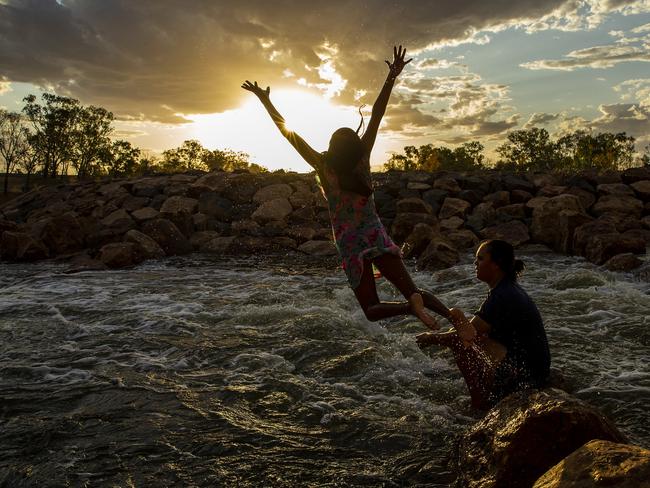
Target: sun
point(250, 129)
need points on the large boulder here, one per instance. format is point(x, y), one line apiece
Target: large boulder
point(62, 234)
point(601, 247)
point(482, 216)
point(167, 235)
point(462, 239)
point(21, 246)
point(418, 240)
point(276, 209)
point(526, 434)
point(454, 207)
point(119, 255)
point(413, 205)
point(145, 245)
point(614, 189)
point(587, 199)
point(118, 222)
point(632, 175)
point(439, 254)
point(623, 262)
point(514, 211)
point(583, 234)
point(179, 205)
point(516, 183)
point(515, 232)
point(404, 223)
point(498, 198)
point(555, 221)
point(449, 185)
point(216, 207)
point(600, 463)
point(144, 214)
point(301, 199)
point(642, 189)
point(621, 204)
point(318, 248)
point(271, 192)
point(212, 182)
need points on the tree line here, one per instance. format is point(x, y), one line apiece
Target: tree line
point(529, 150)
point(58, 136)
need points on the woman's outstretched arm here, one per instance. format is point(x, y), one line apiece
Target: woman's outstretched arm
point(305, 150)
point(379, 108)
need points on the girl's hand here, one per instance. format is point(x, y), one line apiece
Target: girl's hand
point(396, 67)
point(257, 90)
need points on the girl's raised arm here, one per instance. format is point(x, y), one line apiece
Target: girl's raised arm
point(379, 108)
point(305, 150)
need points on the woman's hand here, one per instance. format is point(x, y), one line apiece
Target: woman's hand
point(396, 67)
point(257, 90)
point(465, 329)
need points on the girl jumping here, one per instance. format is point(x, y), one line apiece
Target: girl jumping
point(361, 239)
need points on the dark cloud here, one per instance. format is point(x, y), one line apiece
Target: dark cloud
point(154, 59)
point(539, 118)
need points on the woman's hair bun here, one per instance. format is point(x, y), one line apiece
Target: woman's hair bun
point(519, 266)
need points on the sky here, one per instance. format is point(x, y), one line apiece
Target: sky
point(172, 70)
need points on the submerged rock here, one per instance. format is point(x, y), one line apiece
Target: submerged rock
point(524, 435)
point(600, 463)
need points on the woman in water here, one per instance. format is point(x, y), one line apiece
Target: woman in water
point(361, 239)
point(511, 351)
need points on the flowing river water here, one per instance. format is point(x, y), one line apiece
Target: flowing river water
point(200, 371)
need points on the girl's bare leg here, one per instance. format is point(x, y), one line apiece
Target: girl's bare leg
point(373, 308)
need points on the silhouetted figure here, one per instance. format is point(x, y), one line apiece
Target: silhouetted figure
point(361, 239)
point(511, 351)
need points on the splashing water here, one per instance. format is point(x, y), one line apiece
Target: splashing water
point(250, 372)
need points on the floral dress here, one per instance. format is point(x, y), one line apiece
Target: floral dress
point(358, 232)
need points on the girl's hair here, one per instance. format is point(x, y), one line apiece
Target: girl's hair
point(343, 156)
point(503, 254)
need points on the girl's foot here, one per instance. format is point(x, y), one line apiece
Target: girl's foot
point(417, 308)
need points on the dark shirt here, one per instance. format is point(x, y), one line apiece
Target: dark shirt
point(516, 323)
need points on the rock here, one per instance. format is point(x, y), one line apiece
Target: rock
point(215, 206)
point(515, 232)
point(515, 183)
point(534, 203)
point(585, 232)
point(246, 227)
point(62, 234)
point(200, 238)
point(526, 434)
point(20, 246)
point(555, 221)
point(482, 216)
point(420, 177)
point(434, 197)
point(601, 247)
point(216, 182)
point(241, 187)
point(414, 185)
point(614, 189)
point(498, 198)
point(167, 235)
point(303, 215)
point(474, 183)
point(642, 234)
point(119, 222)
point(462, 239)
point(623, 262)
point(145, 245)
point(642, 189)
point(541, 180)
point(439, 254)
point(131, 203)
point(418, 240)
point(413, 205)
point(450, 224)
point(600, 463)
point(471, 196)
point(446, 184)
point(621, 204)
point(587, 199)
point(283, 243)
point(301, 234)
point(454, 207)
point(514, 211)
point(276, 209)
point(272, 192)
point(520, 196)
point(176, 205)
point(645, 221)
point(301, 199)
point(144, 214)
point(552, 191)
point(7, 225)
point(148, 187)
point(83, 262)
point(274, 228)
point(218, 245)
point(318, 248)
point(632, 175)
point(199, 222)
point(119, 255)
point(404, 223)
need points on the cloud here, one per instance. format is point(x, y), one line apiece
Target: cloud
point(637, 89)
point(604, 56)
point(159, 59)
point(540, 118)
point(5, 86)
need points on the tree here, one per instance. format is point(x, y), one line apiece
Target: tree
point(645, 156)
point(121, 159)
point(53, 124)
point(580, 150)
point(528, 149)
point(190, 155)
point(90, 139)
point(29, 160)
point(228, 160)
point(12, 142)
point(428, 157)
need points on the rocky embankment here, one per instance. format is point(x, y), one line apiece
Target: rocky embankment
point(119, 223)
